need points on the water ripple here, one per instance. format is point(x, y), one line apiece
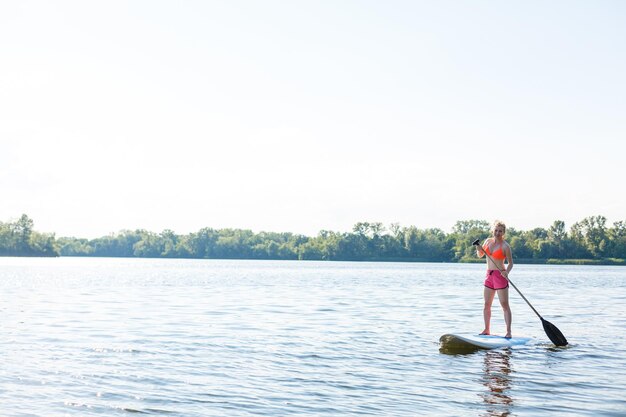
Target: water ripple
point(107, 337)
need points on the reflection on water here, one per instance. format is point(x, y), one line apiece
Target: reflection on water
point(497, 379)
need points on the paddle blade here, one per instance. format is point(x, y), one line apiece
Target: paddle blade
point(553, 333)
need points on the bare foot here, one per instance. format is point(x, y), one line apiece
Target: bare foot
point(484, 333)
point(508, 335)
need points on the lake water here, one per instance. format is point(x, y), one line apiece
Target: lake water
point(117, 337)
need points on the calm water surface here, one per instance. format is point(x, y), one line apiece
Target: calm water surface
point(117, 337)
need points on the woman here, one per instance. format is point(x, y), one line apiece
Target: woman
point(496, 280)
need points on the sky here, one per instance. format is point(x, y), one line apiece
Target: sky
point(301, 116)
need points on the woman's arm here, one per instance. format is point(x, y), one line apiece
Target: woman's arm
point(509, 259)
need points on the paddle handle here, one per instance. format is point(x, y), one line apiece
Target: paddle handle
point(477, 244)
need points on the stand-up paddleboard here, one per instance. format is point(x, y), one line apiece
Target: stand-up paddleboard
point(465, 340)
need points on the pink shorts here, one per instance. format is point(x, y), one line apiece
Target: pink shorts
point(495, 280)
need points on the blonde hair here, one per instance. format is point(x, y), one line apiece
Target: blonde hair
point(497, 223)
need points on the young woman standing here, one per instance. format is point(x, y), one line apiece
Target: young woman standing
point(496, 280)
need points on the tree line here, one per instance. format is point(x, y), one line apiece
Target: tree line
point(589, 240)
point(18, 238)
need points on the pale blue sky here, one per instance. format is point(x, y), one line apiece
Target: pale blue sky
point(302, 116)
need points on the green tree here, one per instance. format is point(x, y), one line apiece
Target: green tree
point(201, 244)
point(557, 232)
point(18, 238)
point(617, 235)
point(71, 246)
point(592, 233)
point(22, 231)
point(465, 227)
point(464, 233)
point(151, 245)
point(170, 244)
point(235, 244)
point(429, 244)
point(43, 244)
point(520, 247)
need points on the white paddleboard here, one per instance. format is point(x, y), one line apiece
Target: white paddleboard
point(480, 341)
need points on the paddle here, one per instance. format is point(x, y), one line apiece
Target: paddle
point(551, 330)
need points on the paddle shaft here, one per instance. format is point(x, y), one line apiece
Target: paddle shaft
point(508, 279)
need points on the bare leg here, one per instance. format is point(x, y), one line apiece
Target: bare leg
point(503, 296)
point(489, 294)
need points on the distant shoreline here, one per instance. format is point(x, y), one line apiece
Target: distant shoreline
point(579, 262)
point(613, 261)
point(588, 242)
